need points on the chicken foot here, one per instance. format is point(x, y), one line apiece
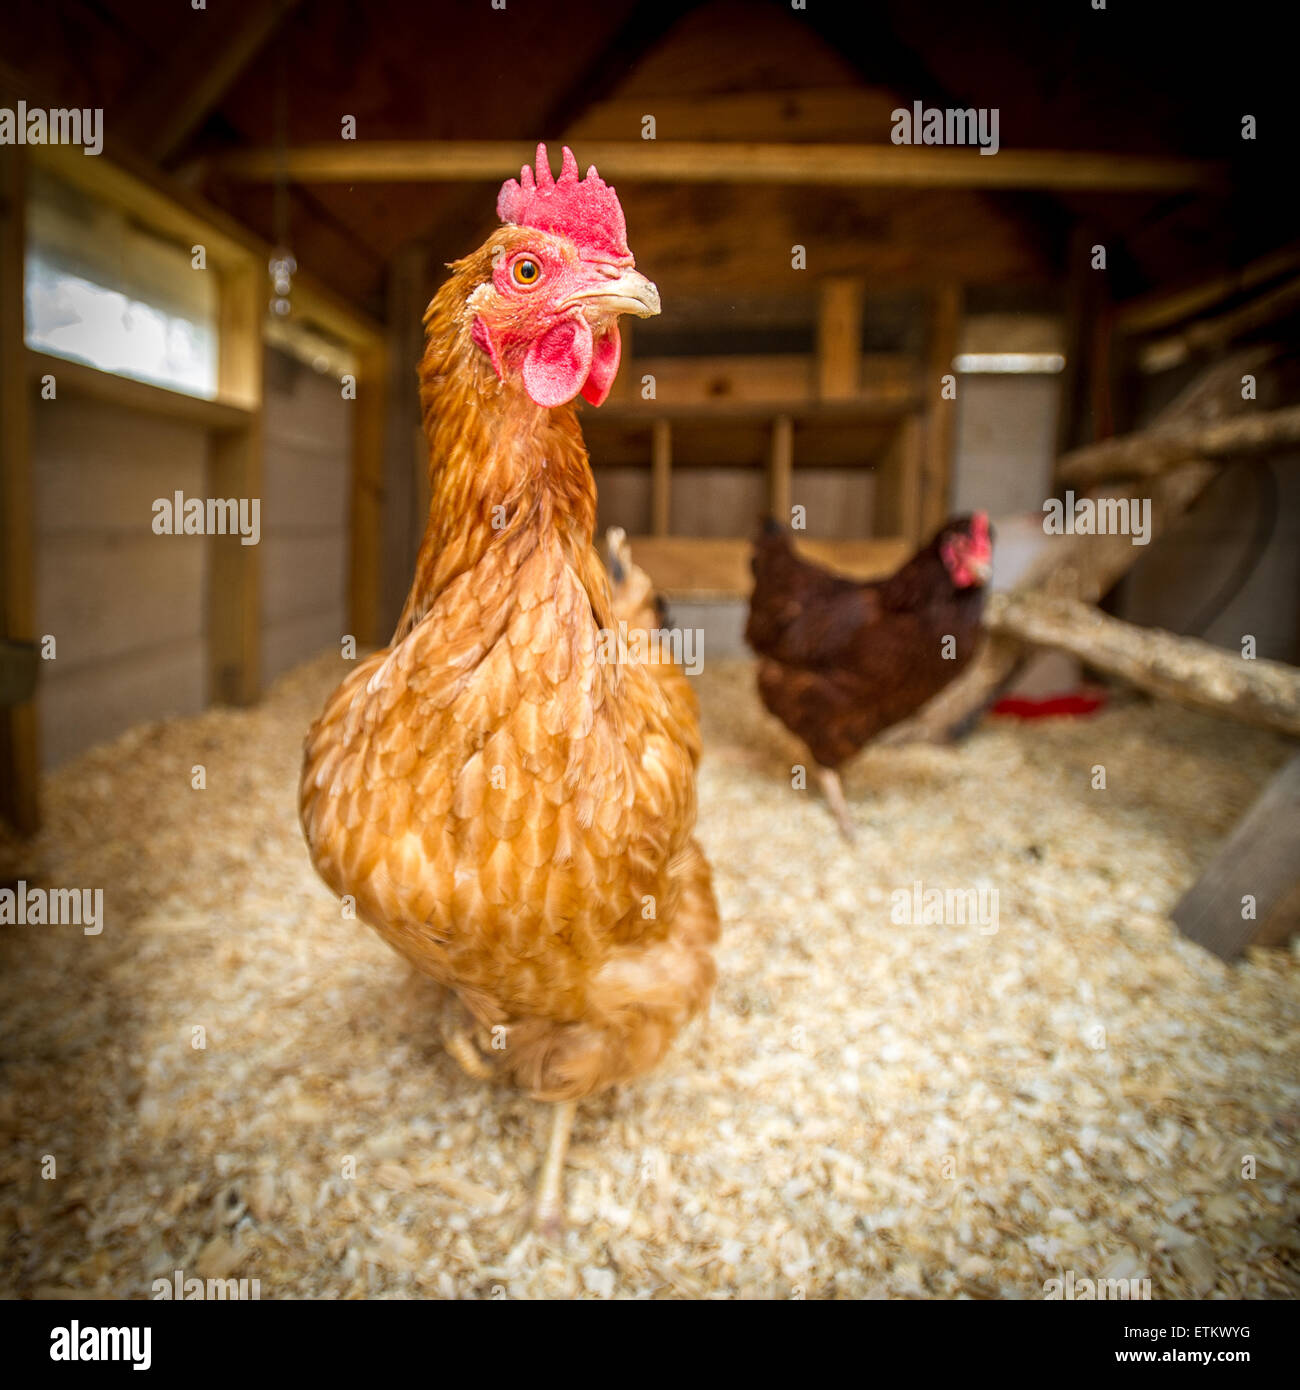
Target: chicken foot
point(548, 1211)
point(834, 794)
point(461, 1047)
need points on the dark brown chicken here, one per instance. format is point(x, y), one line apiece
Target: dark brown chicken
point(841, 660)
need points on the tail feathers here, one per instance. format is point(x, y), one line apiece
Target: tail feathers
point(634, 598)
point(618, 554)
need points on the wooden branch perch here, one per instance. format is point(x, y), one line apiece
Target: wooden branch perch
point(1208, 334)
point(1152, 452)
point(1263, 693)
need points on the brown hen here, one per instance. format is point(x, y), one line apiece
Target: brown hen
point(511, 810)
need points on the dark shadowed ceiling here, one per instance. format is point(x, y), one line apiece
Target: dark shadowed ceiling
point(1164, 80)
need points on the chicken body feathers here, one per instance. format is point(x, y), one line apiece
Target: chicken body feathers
point(510, 811)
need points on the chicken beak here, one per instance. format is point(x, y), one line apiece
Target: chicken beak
point(627, 293)
point(982, 569)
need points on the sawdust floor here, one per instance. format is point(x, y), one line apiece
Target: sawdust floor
point(872, 1108)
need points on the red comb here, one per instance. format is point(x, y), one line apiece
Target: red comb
point(587, 211)
point(979, 528)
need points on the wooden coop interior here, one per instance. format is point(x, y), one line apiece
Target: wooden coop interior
point(839, 313)
point(1087, 1065)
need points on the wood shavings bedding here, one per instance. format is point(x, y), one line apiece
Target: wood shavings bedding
point(874, 1108)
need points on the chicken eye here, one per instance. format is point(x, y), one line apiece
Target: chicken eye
point(526, 272)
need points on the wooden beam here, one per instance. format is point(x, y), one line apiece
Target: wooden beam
point(234, 597)
point(144, 397)
point(1265, 694)
point(661, 477)
point(365, 557)
point(1207, 335)
point(833, 165)
point(192, 82)
point(19, 743)
point(1258, 863)
point(1151, 452)
point(780, 471)
point(839, 338)
point(1164, 308)
point(1085, 298)
point(764, 384)
point(940, 414)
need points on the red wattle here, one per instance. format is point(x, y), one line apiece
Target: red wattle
point(558, 362)
point(604, 366)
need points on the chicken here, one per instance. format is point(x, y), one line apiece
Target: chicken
point(508, 805)
point(840, 660)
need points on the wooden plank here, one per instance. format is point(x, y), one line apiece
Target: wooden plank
point(1164, 308)
point(940, 413)
point(365, 553)
point(1074, 425)
point(1208, 335)
point(714, 567)
point(780, 469)
point(81, 379)
point(1259, 860)
point(19, 732)
point(839, 338)
point(661, 477)
point(898, 489)
point(234, 595)
point(746, 162)
point(736, 383)
point(240, 310)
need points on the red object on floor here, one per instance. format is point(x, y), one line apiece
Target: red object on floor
point(1051, 706)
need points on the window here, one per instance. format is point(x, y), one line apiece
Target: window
point(102, 291)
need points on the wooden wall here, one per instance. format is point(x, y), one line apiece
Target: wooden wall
point(307, 429)
point(125, 606)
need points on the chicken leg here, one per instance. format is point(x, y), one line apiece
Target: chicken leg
point(548, 1212)
point(834, 794)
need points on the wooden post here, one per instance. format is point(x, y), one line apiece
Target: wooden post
point(1258, 862)
point(780, 472)
point(19, 747)
point(365, 558)
point(402, 482)
point(940, 413)
point(839, 338)
point(661, 477)
point(234, 597)
point(1077, 422)
point(898, 484)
